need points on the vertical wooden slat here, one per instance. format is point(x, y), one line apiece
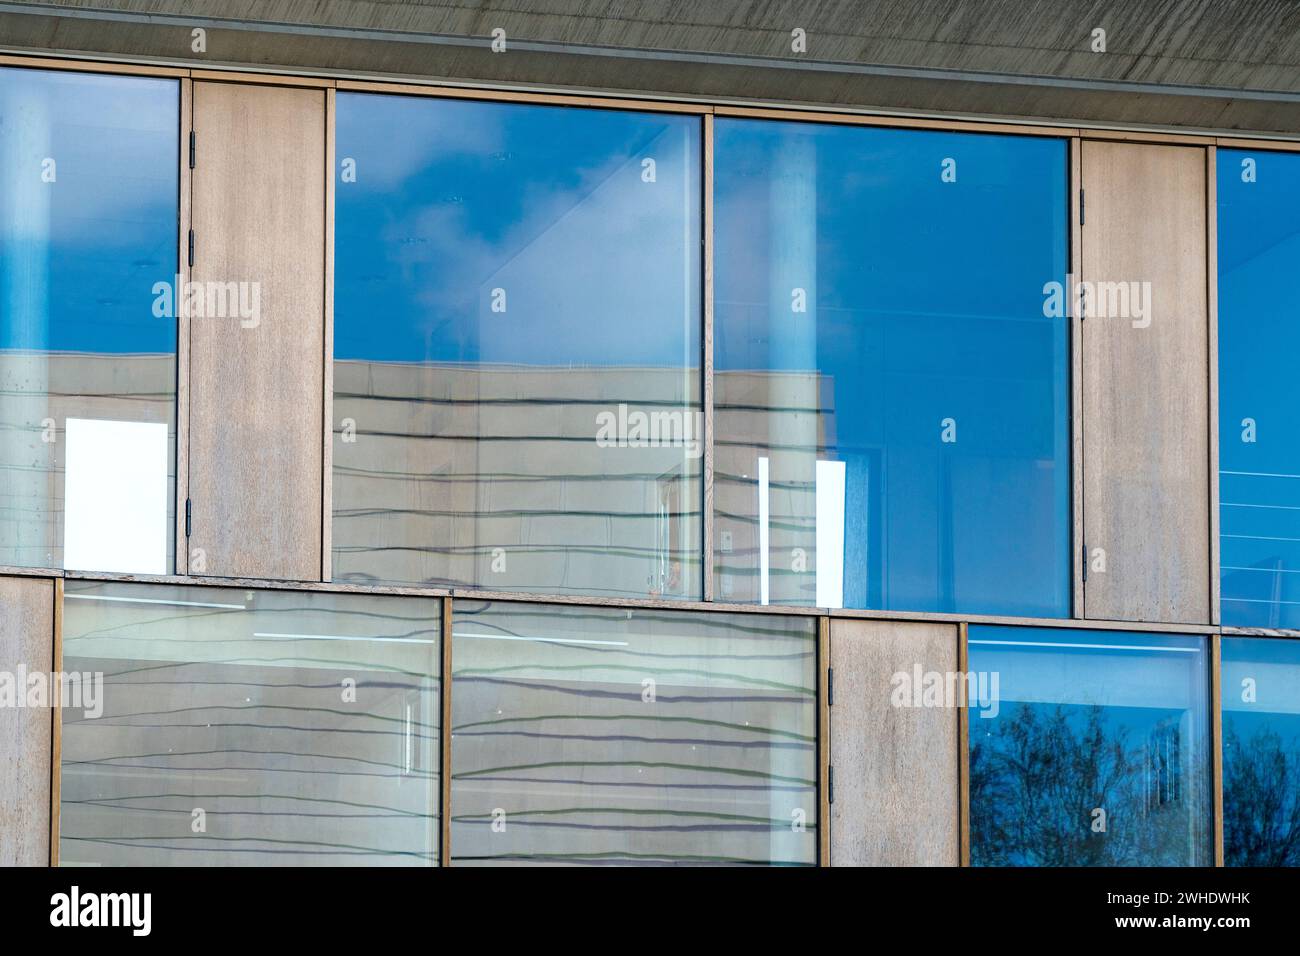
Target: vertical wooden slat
point(708, 358)
point(1076, 382)
point(1216, 744)
point(897, 784)
point(56, 736)
point(183, 223)
point(1145, 394)
point(327, 378)
point(444, 739)
point(27, 631)
point(963, 749)
point(1212, 311)
point(256, 391)
point(824, 740)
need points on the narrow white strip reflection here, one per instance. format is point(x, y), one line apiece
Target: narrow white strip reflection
point(408, 738)
point(128, 600)
point(541, 640)
point(829, 492)
point(763, 558)
point(1259, 474)
point(346, 637)
point(1094, 647)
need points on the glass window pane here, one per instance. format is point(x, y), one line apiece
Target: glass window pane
point(605, 735)
point(1259, 391)
point(1261, 752)
point(88, 211)
point(250, 728)
point(891, 390)
point(517, 345)
point(1089, 748)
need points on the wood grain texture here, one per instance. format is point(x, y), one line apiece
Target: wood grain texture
point(183, 223)
point(26, 733)
point(823, 741)
point(963, 748)
point(327, 357)
point(1145, 390)
point(256, 392)
point(896, 768)
point(1212, 339)
point(56, 736)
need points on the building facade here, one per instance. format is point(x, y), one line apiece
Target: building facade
point(409, 469)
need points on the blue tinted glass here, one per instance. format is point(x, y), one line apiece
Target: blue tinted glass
point(88, 212)
point(1261, 751)
point(891, 399)
point(1259, 391)
point(1089, 748)
point(517, 347)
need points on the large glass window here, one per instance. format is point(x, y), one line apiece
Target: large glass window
point(517, 347)
point(891, 388)
point(610, 735)
point(1089, 748)
point(88, 211)
point(249, 728)
point(1259, 391)
point(1261, 752)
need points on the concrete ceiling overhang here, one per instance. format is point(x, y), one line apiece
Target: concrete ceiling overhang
point(1205, 65)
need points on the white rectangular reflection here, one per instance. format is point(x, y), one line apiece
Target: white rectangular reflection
point(115, 496)
point(830, 533)
point(764, 565)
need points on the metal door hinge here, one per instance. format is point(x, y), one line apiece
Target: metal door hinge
point(188, 518)
point(830, 784)
point(191, 149)
point(830, 687)
point(1082, 214)
point(191, 258)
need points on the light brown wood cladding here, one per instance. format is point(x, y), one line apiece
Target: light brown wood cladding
point(896, 768)
point(256, 401)
point(1146, 390)
point(26, 733)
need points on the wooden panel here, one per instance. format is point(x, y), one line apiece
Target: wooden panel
point(257, 390)
point(1146, 389)
point(181, 555)
point(896, 768)
point(1212, 300)
point(26, 640)
point(1076, 391)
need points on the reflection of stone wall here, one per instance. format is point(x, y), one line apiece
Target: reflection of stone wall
point(36, 386)
point(669, 738)
point(453, 462)
point(204, 709)
point(774, 415)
